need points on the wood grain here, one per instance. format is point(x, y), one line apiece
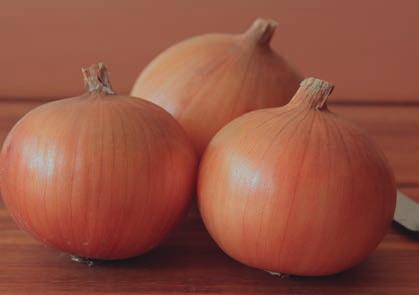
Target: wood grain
point(190, 262)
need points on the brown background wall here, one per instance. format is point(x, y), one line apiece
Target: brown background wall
point(369, 49)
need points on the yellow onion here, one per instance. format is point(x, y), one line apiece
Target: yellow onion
point(207, 81)
point(296, 189)
point(99, 176)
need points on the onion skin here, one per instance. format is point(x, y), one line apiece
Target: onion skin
point(296, 189)
point(99, 176)
point(207, 81)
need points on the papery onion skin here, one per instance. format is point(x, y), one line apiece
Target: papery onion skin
point(99, 176)
point(207, 81)
point(296, 189)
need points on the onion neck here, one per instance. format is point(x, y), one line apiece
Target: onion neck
point(261, 31)
point(96, 79)
point(313, 93)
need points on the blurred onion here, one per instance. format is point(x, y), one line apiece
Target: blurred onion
point(207, 81)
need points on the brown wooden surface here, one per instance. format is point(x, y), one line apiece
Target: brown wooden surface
point(190, 262)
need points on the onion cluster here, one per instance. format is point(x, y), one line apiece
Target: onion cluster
point(284, 184)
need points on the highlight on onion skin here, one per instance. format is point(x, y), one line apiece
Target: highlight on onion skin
point(206, 81)
point(296, 189)
point(99, 176)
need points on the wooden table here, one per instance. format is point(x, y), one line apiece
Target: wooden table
point(190, 262)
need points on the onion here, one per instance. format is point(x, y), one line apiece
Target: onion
point(99, 176)
point(296, 189)
point(207, 81)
